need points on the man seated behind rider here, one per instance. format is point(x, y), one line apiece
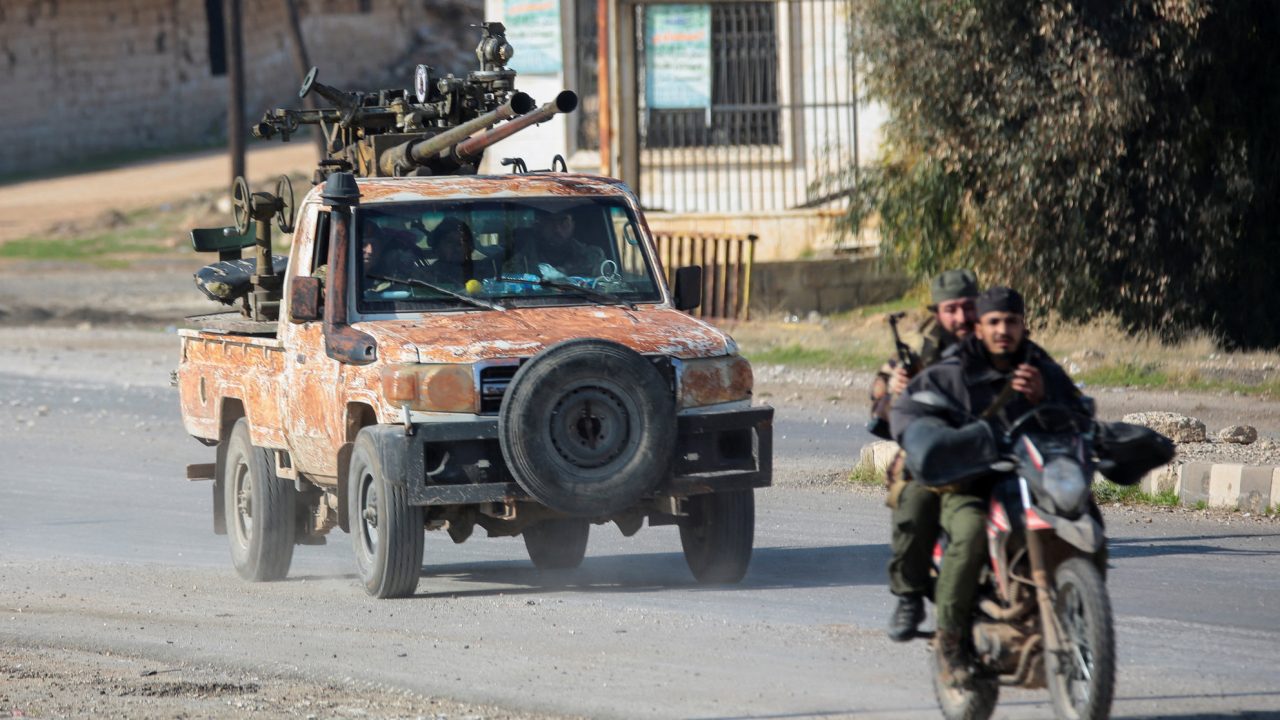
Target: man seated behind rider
point(915, 508)
point(998, 354)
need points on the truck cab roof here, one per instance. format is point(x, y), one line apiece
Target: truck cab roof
point(487, 186)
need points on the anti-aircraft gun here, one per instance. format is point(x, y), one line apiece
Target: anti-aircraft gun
point(440, 127)
point(426, 131)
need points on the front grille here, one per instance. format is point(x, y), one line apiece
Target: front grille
point(494, 380)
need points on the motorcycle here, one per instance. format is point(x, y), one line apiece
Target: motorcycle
point(1043, 616)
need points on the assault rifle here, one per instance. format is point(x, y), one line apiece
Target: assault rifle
point(909, 360)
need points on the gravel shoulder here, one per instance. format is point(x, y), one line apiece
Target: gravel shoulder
point(54, 682)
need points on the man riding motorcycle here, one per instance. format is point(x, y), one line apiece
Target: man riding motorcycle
point(914, 524)
point(996, 374)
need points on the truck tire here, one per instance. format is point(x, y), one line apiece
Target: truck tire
point(588, 427)
point(558, 544)
point(260, 510)
point(386, 531)
point(718, 535)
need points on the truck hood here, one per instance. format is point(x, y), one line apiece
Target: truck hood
point(474, 336)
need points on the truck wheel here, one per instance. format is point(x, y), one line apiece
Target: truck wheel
point(386, 531)
point(557, 544)
point(718, 534)
point(587, 427)
point(260, 510)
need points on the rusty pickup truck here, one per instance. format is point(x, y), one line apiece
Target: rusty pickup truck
point(455, 351)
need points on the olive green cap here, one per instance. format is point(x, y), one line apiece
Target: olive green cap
point(953, 285)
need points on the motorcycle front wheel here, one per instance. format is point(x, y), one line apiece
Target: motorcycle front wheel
point(1082, 677)
point(975, 701)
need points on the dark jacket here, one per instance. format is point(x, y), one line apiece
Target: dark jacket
point(966, 377)
point(935, 341)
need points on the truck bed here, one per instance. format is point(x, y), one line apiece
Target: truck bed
point(218, 366)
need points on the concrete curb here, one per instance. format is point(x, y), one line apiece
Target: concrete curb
point(1252, 488)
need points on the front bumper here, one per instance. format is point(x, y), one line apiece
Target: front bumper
point(461, 462)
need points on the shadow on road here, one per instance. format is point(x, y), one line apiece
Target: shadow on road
point(1030, 703)
point(785, 567)
point(1185, 545)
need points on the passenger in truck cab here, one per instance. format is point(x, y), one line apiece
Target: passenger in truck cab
point(453, 257)
point(560, 246)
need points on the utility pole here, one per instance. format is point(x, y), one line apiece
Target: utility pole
point(303, 63)
point(235, 77)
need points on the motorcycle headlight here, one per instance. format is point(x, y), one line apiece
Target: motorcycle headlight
point(1065, 484)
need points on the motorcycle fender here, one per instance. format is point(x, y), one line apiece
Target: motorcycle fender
point(1084, 532)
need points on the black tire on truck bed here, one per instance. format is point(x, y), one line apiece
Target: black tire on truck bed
point(588, 427)
point(260, 509)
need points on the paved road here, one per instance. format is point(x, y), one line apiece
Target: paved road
point(104, 547)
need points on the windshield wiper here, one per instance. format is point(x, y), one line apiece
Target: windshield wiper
point(600, 297)
point(444, 291)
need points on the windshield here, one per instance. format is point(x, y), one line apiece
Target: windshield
point(492, 254)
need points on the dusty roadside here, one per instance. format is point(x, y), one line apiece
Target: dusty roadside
point(52, 682)
point(31, 207)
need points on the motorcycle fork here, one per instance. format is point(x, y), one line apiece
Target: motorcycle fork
point(1044, 592)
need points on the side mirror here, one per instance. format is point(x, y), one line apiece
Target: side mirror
point(304, 299)
point(688, 289)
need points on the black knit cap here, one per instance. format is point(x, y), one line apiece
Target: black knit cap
point(1000, 299)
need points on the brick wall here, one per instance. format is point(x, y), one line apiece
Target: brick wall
point(83, 78)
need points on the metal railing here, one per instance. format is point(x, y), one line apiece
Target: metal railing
point(726, 262)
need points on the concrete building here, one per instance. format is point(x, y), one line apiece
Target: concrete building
point(725, 117)
point(88, 78)
point(728, 117)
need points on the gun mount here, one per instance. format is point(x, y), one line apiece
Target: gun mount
point(440, 127)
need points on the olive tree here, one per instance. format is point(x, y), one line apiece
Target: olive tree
point(1105, 157)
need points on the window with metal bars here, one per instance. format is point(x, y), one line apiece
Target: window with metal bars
point(744, 84)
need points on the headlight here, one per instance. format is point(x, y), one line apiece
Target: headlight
point(434, 388)
point(710, 381)
point(1065, 484)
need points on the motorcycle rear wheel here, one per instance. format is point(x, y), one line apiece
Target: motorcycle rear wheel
point(1082, 680)
point(975, 701)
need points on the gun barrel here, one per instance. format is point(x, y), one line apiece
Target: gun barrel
point(469, 149)
point(420, 152)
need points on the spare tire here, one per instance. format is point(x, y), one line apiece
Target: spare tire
point(588, 427)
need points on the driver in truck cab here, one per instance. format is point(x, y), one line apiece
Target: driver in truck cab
point(556, 250)
point(389, 253)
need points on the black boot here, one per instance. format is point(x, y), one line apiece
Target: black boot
point(907, 616)
point(953, 660)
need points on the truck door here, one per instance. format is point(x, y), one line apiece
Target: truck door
point(309, 391)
